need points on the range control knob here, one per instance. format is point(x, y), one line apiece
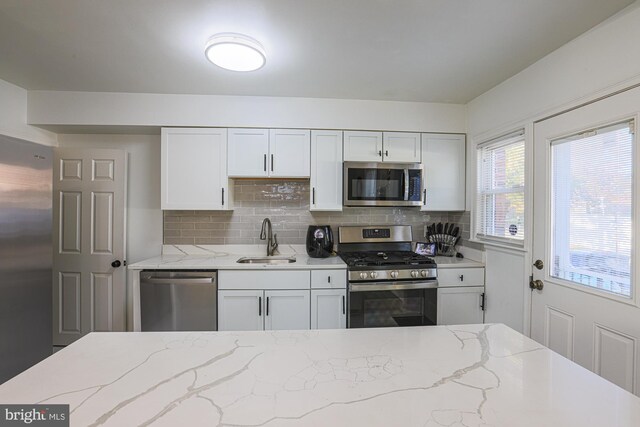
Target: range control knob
point(394, 274)
point(414, 273)
point(363, 275)
point(373, 274)
point(423, 273)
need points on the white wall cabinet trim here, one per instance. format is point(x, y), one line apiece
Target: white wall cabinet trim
point(326, 171)
point(444, 163)
point(194, 169)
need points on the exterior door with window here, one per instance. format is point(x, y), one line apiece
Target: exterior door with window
point(585, 298)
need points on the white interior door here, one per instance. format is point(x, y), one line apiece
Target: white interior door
point(89, 273)
point(585, 233)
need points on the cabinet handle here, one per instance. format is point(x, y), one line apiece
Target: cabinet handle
point(386, 153)
point(272, 163)
point(223, 197)
point(259, 306)
point(267, 306)
point(328, 279)
point(265, 162)
point(344, 308)
point(380, 153)
point(482, 301)
point(462, 277)
point(424, 201)
point(313, 196)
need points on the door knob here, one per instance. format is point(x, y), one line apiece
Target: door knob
point(536, 284)
point(538, 264)
point(116, 263)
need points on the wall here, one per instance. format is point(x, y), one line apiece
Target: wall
point(13, 116)
point(599, 62)
point(144, 217)
point(286, 203)
point(64, 109)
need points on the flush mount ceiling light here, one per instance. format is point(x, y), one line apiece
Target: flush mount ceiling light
point(235, 52)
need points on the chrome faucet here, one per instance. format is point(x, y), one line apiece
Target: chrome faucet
point(267, 234)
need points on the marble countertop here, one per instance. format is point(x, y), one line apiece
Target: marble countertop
point(224, 257)
point(469, 375)
point(453, 262)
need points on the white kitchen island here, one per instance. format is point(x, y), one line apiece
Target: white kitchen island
point(418, 376)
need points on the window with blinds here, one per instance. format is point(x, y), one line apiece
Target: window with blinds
point(500, 194)
point(592, 205)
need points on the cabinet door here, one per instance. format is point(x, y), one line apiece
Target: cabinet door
point(401, 147)
point(460, 306)
point(248, 152)
point(289, 153)
point(362, 146)
point(286, 310)
point(194, 169)
point(326, 170)
point(328, 308)
point(241, 310)
point(443, 160)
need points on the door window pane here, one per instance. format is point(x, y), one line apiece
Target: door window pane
point(592, 184)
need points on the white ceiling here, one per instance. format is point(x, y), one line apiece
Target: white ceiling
point(410, 50)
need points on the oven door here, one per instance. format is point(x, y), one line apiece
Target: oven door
point(382, 184)
point(386, 304)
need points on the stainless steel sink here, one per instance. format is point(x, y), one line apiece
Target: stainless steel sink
point(267, 260)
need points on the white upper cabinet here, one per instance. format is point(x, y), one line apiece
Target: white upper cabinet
point(289, 153)
point(326, 170)
point(276, 153)
point(194, 169)
point(401, 147)
point(443, 159)
point(248, 152)
point(395, 147)
point(360, 146)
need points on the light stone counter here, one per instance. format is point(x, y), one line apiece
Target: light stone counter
point(224, 257)
point(468, 376)
point(453, 262)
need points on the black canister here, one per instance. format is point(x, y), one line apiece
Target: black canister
point(319, 241)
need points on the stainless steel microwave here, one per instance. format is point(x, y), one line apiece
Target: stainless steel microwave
point(383, 184)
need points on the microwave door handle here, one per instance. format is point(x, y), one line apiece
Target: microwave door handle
point(406, 184)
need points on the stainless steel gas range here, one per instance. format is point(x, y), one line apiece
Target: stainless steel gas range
point(389, 284)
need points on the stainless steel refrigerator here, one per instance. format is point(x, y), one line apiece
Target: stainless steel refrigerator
point(25, 255)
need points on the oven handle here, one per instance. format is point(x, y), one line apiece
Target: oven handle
point(392, 286)
point(406, 184)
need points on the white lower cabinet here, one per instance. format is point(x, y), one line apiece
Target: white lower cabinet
point(286, 310)
point(250, 300)
point(460, 306)
point(328, 308)
point(461, 295)
point(240, 310)
point(252, 310)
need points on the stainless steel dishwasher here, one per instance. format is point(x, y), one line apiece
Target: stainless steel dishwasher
point(178, 300)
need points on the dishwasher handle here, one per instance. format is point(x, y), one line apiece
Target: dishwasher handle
point(194, 281)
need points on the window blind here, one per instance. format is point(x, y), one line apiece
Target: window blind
point(591, 212)
point(500, 193)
